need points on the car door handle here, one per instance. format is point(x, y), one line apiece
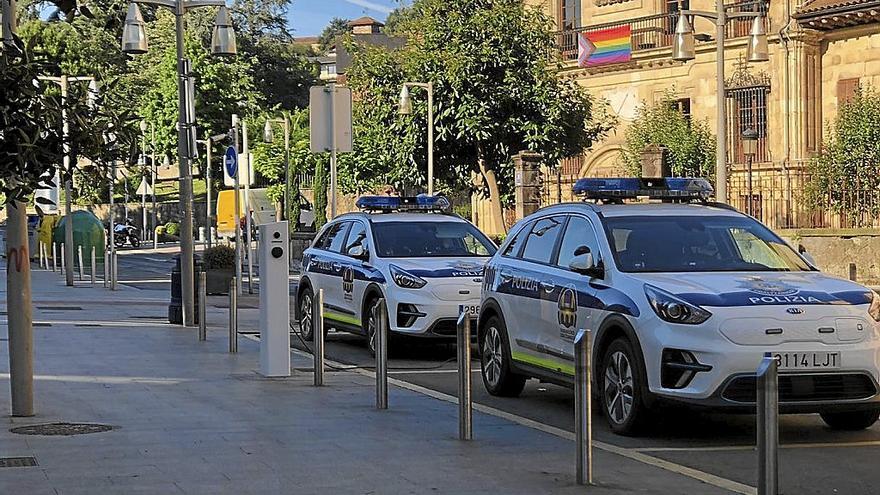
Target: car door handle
point(337, 266)
point(548, 286)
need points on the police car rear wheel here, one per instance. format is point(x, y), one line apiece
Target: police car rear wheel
point(306, 307)
point(620, 388)
point(852, 420)
point(498, 377)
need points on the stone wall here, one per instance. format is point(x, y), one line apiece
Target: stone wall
point(834, 250)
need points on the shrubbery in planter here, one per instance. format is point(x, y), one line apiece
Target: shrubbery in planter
point(219, 265)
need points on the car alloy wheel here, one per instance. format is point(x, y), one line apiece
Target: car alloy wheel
point(305, 310)
point(618, 387)
point(494, 353)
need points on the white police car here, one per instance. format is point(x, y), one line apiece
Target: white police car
point(426, 262)
point(683, 299)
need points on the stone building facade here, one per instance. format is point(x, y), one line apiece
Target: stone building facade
point(820, 51)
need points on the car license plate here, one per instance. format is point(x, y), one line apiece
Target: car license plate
point(788, 361)
point(469, 309)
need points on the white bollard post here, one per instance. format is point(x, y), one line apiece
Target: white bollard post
point(82, 268)
point(94, 264)
point(62, 258)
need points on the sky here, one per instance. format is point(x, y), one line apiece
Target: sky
point(308, 17)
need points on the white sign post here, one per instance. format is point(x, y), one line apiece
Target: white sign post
point(144, 190)
point(330, 127)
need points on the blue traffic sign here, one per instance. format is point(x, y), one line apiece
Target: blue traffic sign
point(230, 161)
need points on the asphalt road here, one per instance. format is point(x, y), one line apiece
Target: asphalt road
point(813, 458)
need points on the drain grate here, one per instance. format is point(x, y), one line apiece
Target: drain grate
point(60, 308)
point(13, 462)
point(65, 429)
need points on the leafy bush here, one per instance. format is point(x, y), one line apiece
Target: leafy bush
point(172, 228)
point(845, 177)
point(690, 143)
point(219, 258)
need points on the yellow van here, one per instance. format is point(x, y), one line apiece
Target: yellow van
point(263, 210)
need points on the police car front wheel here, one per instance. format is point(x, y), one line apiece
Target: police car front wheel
point(495, 358)
point(621, 391)
point(306, 314)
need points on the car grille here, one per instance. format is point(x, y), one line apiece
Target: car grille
point(446, 328)
point(804, 388)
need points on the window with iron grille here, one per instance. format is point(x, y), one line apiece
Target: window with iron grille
point(568, 14)
point(737, 28)
point(747, 109)
point(683, 105)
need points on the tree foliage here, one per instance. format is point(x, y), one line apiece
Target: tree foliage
point(332, 32)
point(492, 63)
point(689, 144)
point(845, 177)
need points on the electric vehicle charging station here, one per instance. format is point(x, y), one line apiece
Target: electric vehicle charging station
point(274, 300)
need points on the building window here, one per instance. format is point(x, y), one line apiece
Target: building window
point(683, 105)
point(846, 90)
point(747, 109)
point(737, 28)
point(675, 6)
point(568, 13)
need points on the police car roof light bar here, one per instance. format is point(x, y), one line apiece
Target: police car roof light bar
point(422, 202)
point(671, 188)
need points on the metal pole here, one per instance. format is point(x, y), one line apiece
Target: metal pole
point(63, 262)
point(82, 268)
point(583, 348)
point(106, 267)
point(465, 406)
point(114, 270)
point(247, 207)
point(112, 244)
point(721, 131)
point(203, 303)
point(144, 195)
point(430, 138)
point(94, 264)
point(768, 426)
point(68, 190)
point(20, 321)
point(381, 319)
point(751, 207)
point(318, 333)
point(233, 315)
point(186, 198)
point(208, 222)
point(286, 213)
point(155, 171)
point(54, 257)
point(333, 147)
point(237, 207)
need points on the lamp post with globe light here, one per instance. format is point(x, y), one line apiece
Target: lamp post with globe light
point(134, 41)
point(683, 50)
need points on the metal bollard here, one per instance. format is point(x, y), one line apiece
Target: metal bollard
point(318, 335)
point(54, 258)
point(203, 303)
point(233, 315)
point(62, 259)
point(465, 405)
point(94, 264)
point(381, 337)
point(114, 270)
point(40, 254)
point(106, 267)
point(583, 406)
point(82, 268)
point(852, 272)
point(768, 426)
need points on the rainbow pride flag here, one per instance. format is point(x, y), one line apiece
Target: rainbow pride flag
point(607, 46)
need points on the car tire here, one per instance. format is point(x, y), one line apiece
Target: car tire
point(306, 305)
point(851, 420)
point(369, 327)
point(495, 359)
point(621, 388)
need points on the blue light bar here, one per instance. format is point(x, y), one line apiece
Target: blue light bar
point(680, 188)
point(422, 202)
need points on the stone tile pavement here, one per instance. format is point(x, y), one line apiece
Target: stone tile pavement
point(190, 418)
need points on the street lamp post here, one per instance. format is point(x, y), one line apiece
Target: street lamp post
point(143, 178)
point(269, 137)
point(209, 218)
point(750, 145)
point(63, 82)
point(134, 41)
point(683, 50)
point(406, 109)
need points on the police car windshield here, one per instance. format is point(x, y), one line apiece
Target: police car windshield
point(698, 244)
point(430, 239)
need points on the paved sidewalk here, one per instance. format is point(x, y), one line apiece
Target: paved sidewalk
point(190, 418)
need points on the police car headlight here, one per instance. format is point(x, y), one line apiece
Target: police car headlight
point(874, 308)
point(674, 310)
point(405, 279)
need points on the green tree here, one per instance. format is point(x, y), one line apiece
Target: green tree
point(690, 144)
point(845, 177)
point(333, 31)
point(494, 67)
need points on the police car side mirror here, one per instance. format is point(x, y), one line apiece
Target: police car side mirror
point(585, 265)
point(359, 253)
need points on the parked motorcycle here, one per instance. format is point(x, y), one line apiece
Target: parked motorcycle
point(126, 232)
